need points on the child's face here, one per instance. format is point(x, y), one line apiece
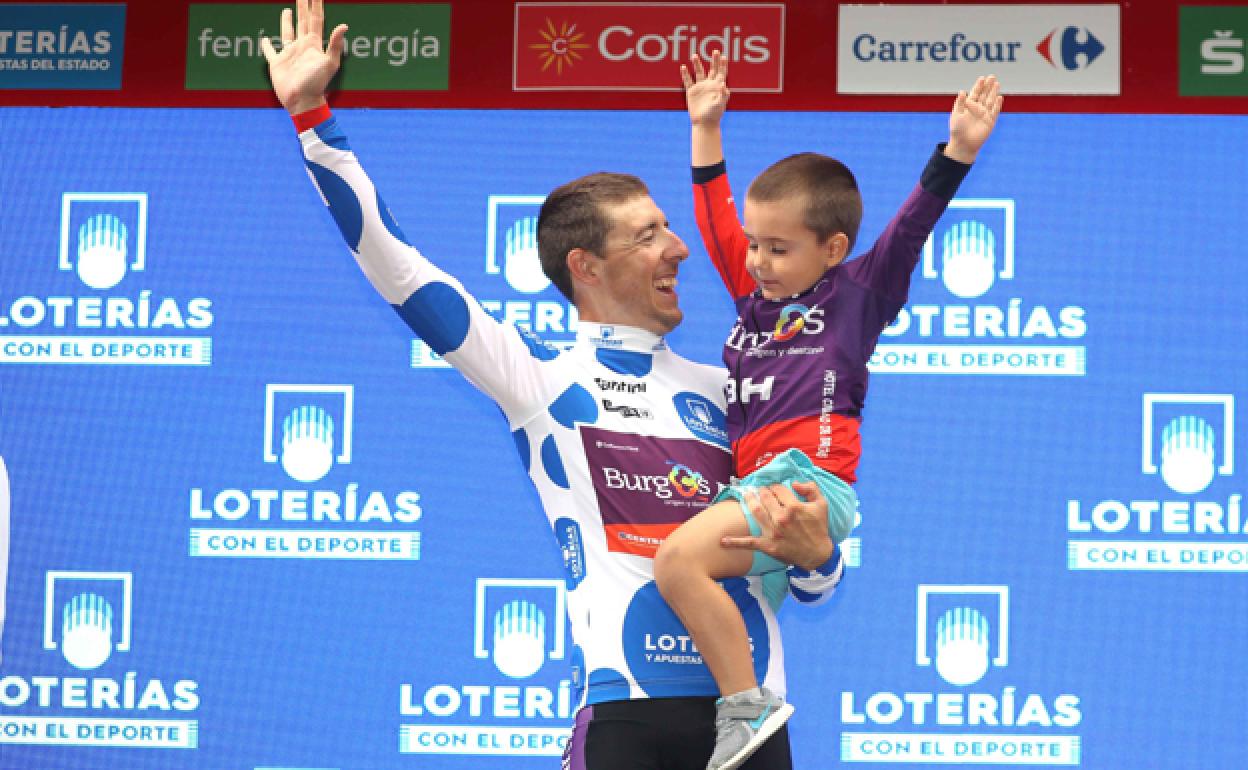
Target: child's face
point(785, 256)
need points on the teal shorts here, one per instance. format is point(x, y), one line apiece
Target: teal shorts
point(785, 468)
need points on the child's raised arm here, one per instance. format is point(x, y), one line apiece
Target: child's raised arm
point(706, 96)
point(973, 117)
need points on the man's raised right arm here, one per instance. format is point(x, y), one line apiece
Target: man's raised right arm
point(493, 356)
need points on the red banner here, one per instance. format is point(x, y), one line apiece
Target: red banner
point(531, 55)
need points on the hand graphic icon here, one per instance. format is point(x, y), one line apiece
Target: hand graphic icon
point(87, 631)
point(1187, 455)
point(102, 251)
point(962, 646)
point(519, 639)
point(968, 256)
point(307, 443)
point(522, 265)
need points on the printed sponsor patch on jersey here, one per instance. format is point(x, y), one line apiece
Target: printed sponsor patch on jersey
point(648, 486)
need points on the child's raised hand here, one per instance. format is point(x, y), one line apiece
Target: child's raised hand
point(973, 117)
point(706, 91)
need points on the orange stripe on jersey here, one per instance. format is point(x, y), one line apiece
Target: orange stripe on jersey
point(638, 539)
point(831, 441)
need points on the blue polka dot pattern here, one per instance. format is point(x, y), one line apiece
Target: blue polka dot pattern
point(626, 361)
point(522, 447)
point(343, 204)
point(553, 463)
point(387, 219)
point(438, 314)
point(574, 405)
point(538, 348)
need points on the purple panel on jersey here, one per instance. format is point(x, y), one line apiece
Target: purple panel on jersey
point(647, 486)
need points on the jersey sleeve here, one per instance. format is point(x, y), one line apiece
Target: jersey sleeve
point(500, 359)
point(721, 227)
point(816, 586)
point(887, 266)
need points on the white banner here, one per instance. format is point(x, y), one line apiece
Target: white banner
point(305, 544)
point(939, 49)
point(493, 740)
point(1145, 556)
point(87, 731)
point(1035, 360)
point(955, 749)
point(153, 351)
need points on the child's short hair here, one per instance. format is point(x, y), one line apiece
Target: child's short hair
point(834, 204)
point(574, 217)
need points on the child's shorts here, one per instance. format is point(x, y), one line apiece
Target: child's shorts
point(787, 467)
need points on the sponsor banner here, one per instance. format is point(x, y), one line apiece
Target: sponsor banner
point(285, 544)
point(934, 748)
point(1189, 517)
point(1143, 556)
point(308, 508)
point(962, 634)
point(89, 621)
point(1211, 50)
point(389, 47)
point(925, 49)
point(639, 46)
point(488, 741)
point(1038, 360)
point(98, 285)
point(510, 693)
point(59, 46)
point(182, 351)
point(85, 731)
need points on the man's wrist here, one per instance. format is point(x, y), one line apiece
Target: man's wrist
point(823, 561)
point(310, 118)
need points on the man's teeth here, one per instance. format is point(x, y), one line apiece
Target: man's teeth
point(665, 283)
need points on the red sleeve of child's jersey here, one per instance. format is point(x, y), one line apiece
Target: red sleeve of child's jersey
point(722, 234)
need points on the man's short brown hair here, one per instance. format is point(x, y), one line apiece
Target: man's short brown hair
point(833, 203)
point(573, 217)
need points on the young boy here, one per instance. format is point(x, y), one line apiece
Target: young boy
point(797, 359)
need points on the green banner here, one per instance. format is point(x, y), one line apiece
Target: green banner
point(390, 47)
point(1212, 50)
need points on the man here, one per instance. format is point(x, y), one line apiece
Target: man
point(612, 485)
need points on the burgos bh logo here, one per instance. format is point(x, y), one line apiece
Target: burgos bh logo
point(962, 633)
point(976, 323)
point(102, 241)
point(88, 618)
point(518, 705)
point(1187, 442)
point(309, 430)
point(1065, 48)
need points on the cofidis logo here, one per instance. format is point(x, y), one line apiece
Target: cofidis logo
point(520, 702)
point(514, 287)
point(309, 431)
point(1184, 511)
point(89, 693)
point(962, 637)
point(105, 313)
point(637, 46)
point(971, 314)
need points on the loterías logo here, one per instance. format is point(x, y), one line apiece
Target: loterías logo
point(635, 46)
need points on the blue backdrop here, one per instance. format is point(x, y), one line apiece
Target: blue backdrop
point(1051, 561)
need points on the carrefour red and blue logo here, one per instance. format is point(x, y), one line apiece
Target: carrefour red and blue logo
point(791, 322)
point(1063, 50)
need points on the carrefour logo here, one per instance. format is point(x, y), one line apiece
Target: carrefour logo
point(1196, 523)
point(308, 432)
point(968, 316)
point(520, 704)
point(1038, 49)
point(962, 633)
point(89, 622)
point(102, 242)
